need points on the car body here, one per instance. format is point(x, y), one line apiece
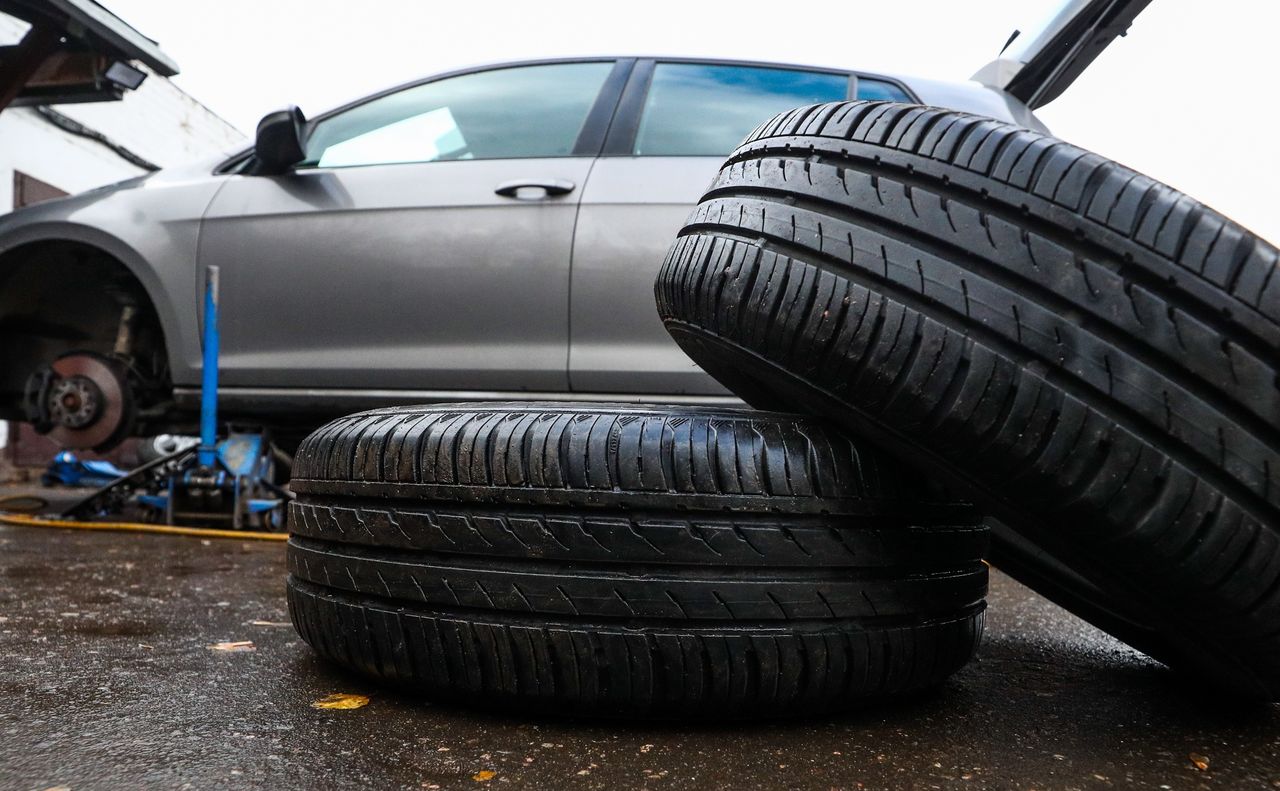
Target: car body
point(490, 233)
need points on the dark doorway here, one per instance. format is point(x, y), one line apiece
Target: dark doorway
point(29, 189)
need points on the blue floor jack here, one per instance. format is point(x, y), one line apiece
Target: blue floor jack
point(213, 484)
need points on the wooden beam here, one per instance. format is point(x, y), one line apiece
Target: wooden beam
point(30, 54)
point(61, 68)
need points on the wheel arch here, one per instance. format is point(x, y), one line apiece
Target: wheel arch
point(60, 284)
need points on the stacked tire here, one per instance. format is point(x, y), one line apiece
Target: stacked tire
point(628, 560)
point(1090, 355)
point(992, 315)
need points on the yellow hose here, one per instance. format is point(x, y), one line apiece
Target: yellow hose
point(140, 527)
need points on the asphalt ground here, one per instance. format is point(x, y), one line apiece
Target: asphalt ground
point(108, 681)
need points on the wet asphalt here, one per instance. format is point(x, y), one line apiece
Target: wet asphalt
point(107, 681)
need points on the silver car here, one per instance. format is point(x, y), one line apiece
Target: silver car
point(482, 234)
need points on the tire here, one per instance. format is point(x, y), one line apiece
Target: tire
point(628, 560)
point(1087, 353)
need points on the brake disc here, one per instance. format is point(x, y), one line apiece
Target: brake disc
point(89, 404)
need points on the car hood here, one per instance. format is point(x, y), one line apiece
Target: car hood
point(65, 207)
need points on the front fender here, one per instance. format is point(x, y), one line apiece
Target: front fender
point(179, 327)
point(152, 227)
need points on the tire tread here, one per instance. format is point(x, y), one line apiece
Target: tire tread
point(1030, 318)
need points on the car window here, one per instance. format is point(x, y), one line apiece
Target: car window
point(881, 91)
point(525, 111)
point(706, 110)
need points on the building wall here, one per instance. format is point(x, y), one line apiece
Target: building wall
point(158, 122)
point(31, 145)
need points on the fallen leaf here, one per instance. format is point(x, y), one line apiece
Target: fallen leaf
point(1199, 761)
point(484, 775)
point(341, 700)
point(235, 645)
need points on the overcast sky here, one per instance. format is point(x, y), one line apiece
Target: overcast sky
point(1188, 97)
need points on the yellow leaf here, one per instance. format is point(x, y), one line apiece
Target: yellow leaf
point(341, 700)
point(484, 775)
point(235, 645)
point(1199, 761)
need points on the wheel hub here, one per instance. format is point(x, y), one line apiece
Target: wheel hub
point(82, 400)
point(74, 402)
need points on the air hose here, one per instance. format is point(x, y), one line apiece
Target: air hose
point(23, 520)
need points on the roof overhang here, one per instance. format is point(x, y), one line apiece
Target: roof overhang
point(74, 51)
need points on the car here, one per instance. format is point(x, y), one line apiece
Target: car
point(490, 233)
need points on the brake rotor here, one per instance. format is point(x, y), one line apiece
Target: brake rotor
point(90, 404)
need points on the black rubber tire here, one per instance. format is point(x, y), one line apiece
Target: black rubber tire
point(628, 560)
point(1088, 353)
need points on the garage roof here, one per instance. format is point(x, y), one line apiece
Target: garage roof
point(66, 54)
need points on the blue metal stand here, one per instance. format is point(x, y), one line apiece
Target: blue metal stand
point(206, 454)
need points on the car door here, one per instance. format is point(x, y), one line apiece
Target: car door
point(675, 124)
point(423, 243)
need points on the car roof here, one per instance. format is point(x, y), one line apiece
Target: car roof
point(597, 58)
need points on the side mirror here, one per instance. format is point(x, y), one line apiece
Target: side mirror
point(278, 145)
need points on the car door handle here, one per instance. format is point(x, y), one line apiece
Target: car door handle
point(533, 189)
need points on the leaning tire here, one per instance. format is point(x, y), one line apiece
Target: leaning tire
point(627, 560)
point(1088, 353)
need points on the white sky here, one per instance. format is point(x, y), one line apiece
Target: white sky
point(1188, 97)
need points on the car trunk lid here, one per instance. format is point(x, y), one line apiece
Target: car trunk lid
point(1036, 66)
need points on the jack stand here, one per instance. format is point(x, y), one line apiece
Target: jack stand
point(215, 482)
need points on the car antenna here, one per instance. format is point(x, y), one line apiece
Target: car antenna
point(1012, 36)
